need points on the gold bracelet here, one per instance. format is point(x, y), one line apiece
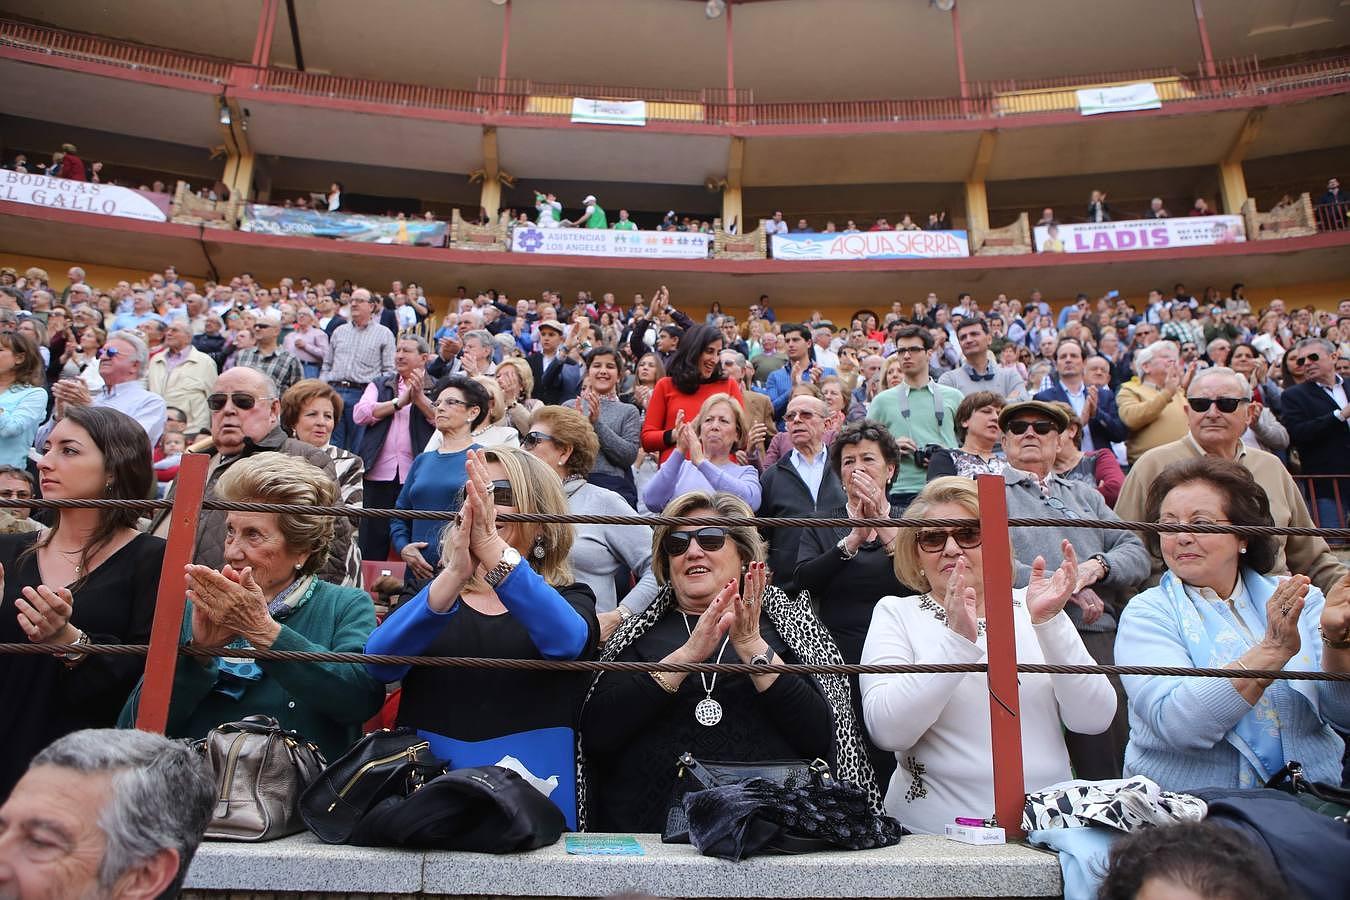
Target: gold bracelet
point(665, 685)
point(1334, 645)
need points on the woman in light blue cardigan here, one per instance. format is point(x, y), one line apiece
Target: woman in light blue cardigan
point(1216, 608)
point(23, 402)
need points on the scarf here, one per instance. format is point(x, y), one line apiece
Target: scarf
point(1214, 638)
point(812, 644)
point(235, 674)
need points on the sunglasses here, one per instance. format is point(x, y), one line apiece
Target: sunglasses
point(107, 352)
point(535, 438)
point(242, 401)
point(1041, 427)
point(936, 541)
point(16, 495)
point(1311, 357)
point(502, 495)
point(710, 539)
point(1225, 404)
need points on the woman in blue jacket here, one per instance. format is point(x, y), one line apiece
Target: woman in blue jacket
point(23, 402)
point(503, 593)
point(1216, 607)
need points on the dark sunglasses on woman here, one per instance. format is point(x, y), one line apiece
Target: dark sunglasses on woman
point(502, 494)
point(936, 541)
point(534, 439)
point(711, 539)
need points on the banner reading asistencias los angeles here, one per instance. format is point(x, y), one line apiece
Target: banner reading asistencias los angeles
point(871, 245)
point(83, 196)
point(1140, 234)
point(600, 242)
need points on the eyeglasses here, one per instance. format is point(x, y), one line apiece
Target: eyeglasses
point(907, 351)
point(710, 539)
point(502, 494)
point(261, 326)
point(1225, 404)
point(936, 541)
point(535, 438)
point(1202, 521)
point(447, 402)
point(1041, 427)
point(15, 495)
point(1311, 357)
point(242, 401)
point(107, 352)
point(804, 414)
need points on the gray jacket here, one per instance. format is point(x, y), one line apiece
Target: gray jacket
point(619, 431)
point(1124, 551)
point(599, 552)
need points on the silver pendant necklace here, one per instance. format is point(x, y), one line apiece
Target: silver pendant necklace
point(707, 711)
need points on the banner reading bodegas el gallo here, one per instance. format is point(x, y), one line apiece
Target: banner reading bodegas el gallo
point(82, 196)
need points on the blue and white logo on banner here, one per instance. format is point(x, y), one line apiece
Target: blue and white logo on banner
point(871, 245)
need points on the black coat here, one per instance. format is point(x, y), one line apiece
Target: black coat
point(1321, 437)
point(783, 493)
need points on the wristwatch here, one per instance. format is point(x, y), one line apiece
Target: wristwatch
point(396, 403)
point(1106, 566)
point(762, 659)
point(497, 574)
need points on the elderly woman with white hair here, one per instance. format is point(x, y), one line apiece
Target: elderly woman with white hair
point(268, 596)
point(1154, 408)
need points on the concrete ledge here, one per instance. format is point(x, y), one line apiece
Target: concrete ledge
point(920, 866)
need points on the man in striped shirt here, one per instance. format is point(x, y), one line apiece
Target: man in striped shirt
point(359, 351)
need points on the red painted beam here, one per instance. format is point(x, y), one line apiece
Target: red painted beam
point(731, 68)
point(1001, 643)
point(267, 26)
point(501, 65)
point(960, 53)
point(1204, 39)
point(157, 688)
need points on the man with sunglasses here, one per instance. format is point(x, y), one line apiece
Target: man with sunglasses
point(1111, 563)
point(1220, 408)
point(1317, 414)
point(121, 362)
point(245, 419)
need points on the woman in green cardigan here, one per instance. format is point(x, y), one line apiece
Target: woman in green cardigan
point(268, 595)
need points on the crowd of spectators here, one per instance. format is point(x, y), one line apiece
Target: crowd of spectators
point(1175, 409)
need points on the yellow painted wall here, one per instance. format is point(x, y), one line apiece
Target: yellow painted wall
point(98, 276)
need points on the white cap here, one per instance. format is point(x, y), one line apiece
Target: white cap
point(271, 315)
point(590, 198)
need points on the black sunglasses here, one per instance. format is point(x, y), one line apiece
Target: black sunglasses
point(535, 438)
point(1311, 357)
point(502, 494)
point(710, 539)
point(216, 402)
point(936, 541)
point(1041, 427)
point(1225, 404)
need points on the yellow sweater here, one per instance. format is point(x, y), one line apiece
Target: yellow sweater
point(1152, 418)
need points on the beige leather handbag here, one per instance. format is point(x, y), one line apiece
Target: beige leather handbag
point(260, 770)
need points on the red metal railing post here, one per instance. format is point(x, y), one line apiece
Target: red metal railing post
point(1204, 40)
point(731, 69)
point(157, 688)
point(498, 101)
point(1005, 722)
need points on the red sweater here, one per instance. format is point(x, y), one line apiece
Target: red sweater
point(667, 400)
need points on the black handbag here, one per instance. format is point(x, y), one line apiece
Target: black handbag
point(385, 763)
point(693, 775)
point(1327, 799)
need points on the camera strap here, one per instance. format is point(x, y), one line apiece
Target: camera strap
point(938, 411)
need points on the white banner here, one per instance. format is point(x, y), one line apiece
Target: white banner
point(1140, 234)
point(609, 112)
point(81, 196)
point(1124, 98)
point(809, 245)
point(599, 242)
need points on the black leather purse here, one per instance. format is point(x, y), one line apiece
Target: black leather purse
point(386, 763)
point(693, 775)
point(1327, 799)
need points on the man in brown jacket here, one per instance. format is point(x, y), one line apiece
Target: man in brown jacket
point(1214, 432)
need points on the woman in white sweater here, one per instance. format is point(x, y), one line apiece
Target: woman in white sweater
point(938, 725)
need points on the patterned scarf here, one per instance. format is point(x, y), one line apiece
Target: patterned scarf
point(1214, 638)
point(812, 644)
point(236, 673)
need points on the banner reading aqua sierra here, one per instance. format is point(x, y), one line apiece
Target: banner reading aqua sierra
point(871, 245)
point(342, 226)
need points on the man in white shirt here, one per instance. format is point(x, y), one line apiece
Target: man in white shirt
point(776, 225)
point(550, 210)
point(121, 362)
point(826, 358)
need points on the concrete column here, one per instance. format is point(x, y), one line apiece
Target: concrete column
point(977, 198)
point(731, 194)
point(1232, 182)
point(491, 197)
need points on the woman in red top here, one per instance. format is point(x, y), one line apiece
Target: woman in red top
point(695, 375)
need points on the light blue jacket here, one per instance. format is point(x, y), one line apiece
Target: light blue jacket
point(22, 410)
point(1181, 728)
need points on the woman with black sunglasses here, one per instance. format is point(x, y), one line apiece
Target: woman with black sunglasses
point(716, 604)
point(938, 725)
point(506, 591)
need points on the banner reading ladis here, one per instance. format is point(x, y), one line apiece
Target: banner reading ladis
point(814, 245)
point(341, 226)
point(1140, 234)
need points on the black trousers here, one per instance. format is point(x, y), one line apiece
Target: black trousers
point(1098, 757)
point(374, 533)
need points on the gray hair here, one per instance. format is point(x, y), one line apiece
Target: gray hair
point(737, 355)
point(480, 336)
point(1144, 355)
point(137, 344)
point(162, 796)
point(1320, 341)
point(506, 344)
point(1245, 387)
point(422, 346)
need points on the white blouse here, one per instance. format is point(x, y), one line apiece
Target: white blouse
point(938, 725)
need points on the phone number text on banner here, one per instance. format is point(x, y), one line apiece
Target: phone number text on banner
point(1140, 234)
point(871, 245)
point(598, 242)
